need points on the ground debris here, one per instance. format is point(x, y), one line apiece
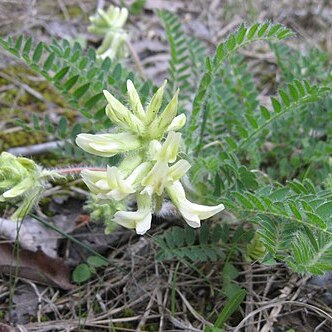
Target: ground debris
point(35, 266)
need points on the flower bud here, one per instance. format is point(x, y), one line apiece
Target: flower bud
point(120, 115)
point(162, 122)
point(110, 25)
point(155, 104)
point(20, 179)
point(177, 123)
point(135, 101)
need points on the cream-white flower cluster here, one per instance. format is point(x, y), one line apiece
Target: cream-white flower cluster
point(109, 24)
point(150, 168)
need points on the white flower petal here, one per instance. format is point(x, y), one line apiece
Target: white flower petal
point(103, 185)
point(154, 149)
point(202, 211)
point(191, 219)
point(191, 212)
point(108, 145)
point(95, 178)
point(156, 179)
point(125, 219)
point(138, 173)
point(117, 195)
point(145, 224)
point(170, 147)
point(179, 169)
point(140, 220)
point(121, 18)
point(177, 123)
point(120, 188)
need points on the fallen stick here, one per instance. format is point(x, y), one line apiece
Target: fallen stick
point(34, 149)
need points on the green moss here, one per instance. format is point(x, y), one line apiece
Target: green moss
point(75, 11)
point(128, 312)
point(20, 105)
point(152, 327)
point(20, 138)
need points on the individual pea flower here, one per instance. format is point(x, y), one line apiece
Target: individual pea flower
point(140, 220)
point(109, 24)
point(151, 168)
point(112, 183)
point(108, 145)
point(162, 175)
point(191, 212)
point(21, 181)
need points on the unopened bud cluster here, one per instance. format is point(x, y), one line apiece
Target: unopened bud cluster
point(21, 182)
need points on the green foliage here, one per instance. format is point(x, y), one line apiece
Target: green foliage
point(296, 215)
point(137, 7)
point(228, 130)
point(187, 58)
point(201, 245)
point(306, 149)
point(234, 100)
point(81, 273)
point(84, 271)
point(79, 77)
point(208, 243)
point(241, 38)
point(230, 307)
point(297, 95)
point(270, 164)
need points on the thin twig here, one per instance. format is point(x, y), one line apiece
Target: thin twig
point(280, 303)
point(136, 59)
point(147, 310)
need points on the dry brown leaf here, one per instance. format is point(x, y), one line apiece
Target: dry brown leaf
point(31, 235)
point(6, 328)
point(36, 266)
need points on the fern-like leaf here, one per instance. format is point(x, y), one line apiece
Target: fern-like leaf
point(78, 76)
point(242, 37)
point(187, 58)
point(188, 244)
point(294, 223)
point(298, 95)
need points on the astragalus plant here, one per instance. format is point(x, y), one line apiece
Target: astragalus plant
point(227, 148)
